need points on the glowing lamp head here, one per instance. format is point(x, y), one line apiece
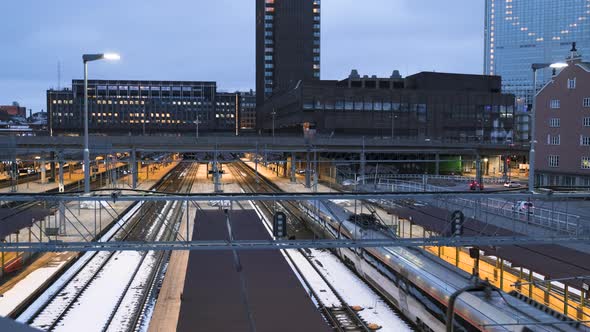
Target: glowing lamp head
point(111, 56)
point(558, 65)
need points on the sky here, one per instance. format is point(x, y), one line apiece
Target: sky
point(214, 40)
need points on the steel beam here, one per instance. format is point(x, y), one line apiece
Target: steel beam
point(143, 195)
point(283, 244)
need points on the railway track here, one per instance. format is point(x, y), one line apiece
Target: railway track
point(124, 282)
point(338, 313)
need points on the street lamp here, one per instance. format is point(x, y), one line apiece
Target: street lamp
point(535, 67)
point(197, 121)
point(393, 117)
point(273, 113)
point(87, 58)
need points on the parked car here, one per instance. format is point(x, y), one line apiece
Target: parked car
point(523, 207)
point(347, 183)
point(473, 185)
point(511, 184)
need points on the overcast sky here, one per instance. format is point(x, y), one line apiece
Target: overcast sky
point(214, 40)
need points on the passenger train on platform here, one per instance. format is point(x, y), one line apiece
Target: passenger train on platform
point(420, 284)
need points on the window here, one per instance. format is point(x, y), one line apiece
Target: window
point(584, 140)
point(554, 123)
point(587, 102)
point(553, 161)
point(555, 103)
point(553, 140)
point(571, 83)
point(585, 163)
point(586, 122)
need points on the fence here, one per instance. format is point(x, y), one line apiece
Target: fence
point(455, 178)
point(546, 218)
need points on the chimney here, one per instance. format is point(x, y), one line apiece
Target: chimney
point(396, 75)
point(575, 56)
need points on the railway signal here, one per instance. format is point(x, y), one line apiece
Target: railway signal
point(457, 219)
point(280, 225)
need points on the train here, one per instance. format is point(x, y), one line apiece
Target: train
point(419, 284)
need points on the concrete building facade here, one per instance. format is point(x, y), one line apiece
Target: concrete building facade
point(146, 107)
point(435, 106)
point(287, 44)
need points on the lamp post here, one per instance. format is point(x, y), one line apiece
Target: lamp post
point(197, 123)
point(393, 116)
point(87, 58)
point(273, 113)
point(535, 67)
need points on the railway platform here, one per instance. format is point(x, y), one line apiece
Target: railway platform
point(262, 289)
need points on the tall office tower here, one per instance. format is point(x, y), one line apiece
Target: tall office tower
point(519, 33)
point(287, 45)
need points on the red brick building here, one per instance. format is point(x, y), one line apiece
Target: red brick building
point(563, 127)
point(13, 111)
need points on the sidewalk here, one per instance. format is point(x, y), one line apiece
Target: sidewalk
point(81, 224)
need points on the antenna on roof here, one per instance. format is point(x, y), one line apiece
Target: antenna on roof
point(58, 75)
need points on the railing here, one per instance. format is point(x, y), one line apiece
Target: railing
point(455, 178)
point(547, 218)
point(295, 141)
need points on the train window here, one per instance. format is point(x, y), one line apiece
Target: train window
point(385, 270)
point(437, 309)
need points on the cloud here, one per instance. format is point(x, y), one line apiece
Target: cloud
point(214, 40)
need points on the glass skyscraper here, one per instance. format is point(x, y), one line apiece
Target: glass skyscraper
point(519, 33)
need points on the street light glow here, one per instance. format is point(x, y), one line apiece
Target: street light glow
point(558, 65)
point(111, 56)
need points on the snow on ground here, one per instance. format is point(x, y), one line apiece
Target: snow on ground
point(139, 285)
point(316, 282)
point(355, 292)
point(47, 295)
point(17, 294)
point(47, 316)
point(94, 306)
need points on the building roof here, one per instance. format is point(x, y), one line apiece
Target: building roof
point(583, 65)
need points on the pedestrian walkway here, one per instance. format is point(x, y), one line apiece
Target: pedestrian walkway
point(167, 309)
point(260, 292)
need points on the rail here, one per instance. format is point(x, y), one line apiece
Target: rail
point(342, 317)
point(81, 279)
